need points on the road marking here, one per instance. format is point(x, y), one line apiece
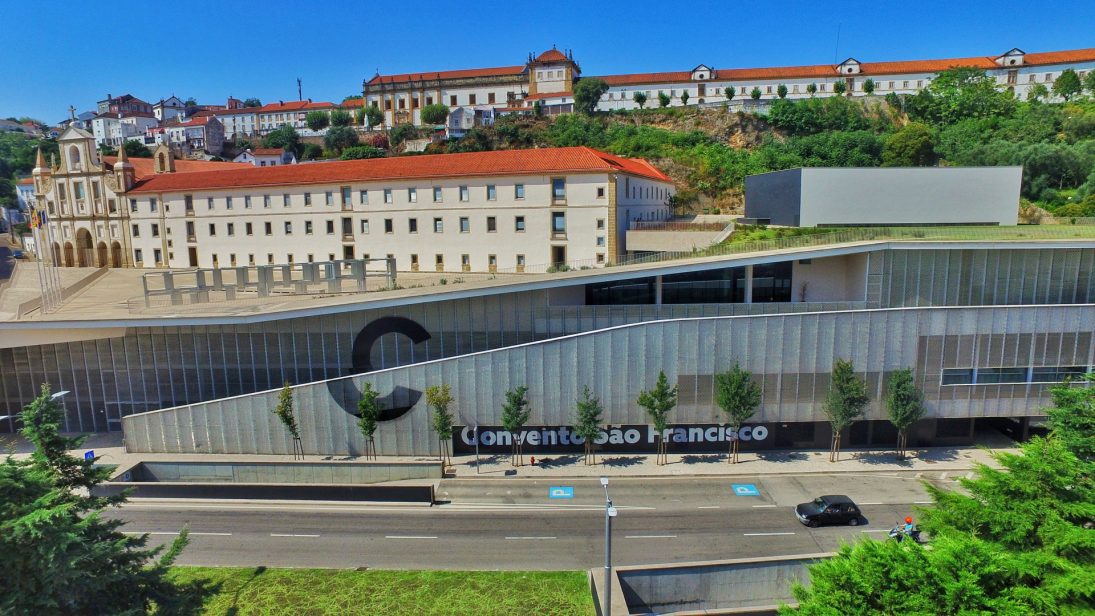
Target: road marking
point(875, 530)
point(870, 503)
point(528, 538)
point(762, 506)
point(708, 507)
point(922, 502)
point(764, 534)
point(212, 534)
point(409, 537)
point(291, 535)
point(650, 536)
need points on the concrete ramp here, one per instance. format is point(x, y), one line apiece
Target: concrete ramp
point(751, 586)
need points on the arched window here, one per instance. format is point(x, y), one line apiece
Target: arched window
point(162, 162)
point(74, 157)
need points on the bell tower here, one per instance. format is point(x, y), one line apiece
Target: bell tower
point(124, 174)
point(164, 159)
point(42, 174)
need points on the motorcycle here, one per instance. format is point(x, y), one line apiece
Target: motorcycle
point(899, 533)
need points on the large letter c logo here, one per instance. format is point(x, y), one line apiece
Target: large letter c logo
point(401, 399)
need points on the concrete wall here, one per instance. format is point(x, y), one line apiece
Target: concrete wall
point(886, 196)
point(714, 586)
point(790, 355)
point(832, 279)
point(281, 472)
point(776, 196)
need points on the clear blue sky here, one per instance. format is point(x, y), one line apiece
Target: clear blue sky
point(54, 54)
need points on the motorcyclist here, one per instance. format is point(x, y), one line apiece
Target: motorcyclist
point(904, 529)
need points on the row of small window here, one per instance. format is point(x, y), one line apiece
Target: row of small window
point(1011, 376)
point(77, 190)
point(439, 259)
point(454, 100)
point(558, 226)
point(558, 192)
point(645, 192)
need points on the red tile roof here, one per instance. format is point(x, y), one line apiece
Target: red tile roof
point(25, 181)
point(507, 162)
point(294, 106)
point(500, 71)
point(144, 167)
point(552, 55)
point(1060, 57)
point(351, 103)
point(268, 151)
point(539, 95)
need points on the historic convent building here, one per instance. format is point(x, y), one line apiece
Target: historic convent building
point(548, 80)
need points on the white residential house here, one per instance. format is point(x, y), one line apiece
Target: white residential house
point(196, 133)
point(168, 108)
point(273, 116)
point(266, 157)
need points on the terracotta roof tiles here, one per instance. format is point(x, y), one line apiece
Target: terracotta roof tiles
point(506, 162)
point(144, 167)
point(500, 71)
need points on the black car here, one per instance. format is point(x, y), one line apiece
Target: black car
point(831, 509)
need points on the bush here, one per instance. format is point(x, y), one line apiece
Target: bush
point(317, 120)
point(311, 151)
point(435, 114)
point(401, 133)
point(362, 151)
point(340, 117)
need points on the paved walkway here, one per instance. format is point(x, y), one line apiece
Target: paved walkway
point(109, 449)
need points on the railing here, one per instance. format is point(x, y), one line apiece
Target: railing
point(652, 225)
point(830, 238)
point(205, 285)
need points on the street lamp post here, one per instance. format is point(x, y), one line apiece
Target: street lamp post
point(610, 512)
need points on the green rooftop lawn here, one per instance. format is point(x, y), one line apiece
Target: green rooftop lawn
point(315, 592)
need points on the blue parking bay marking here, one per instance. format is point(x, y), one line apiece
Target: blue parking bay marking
point(561, 492)
point(745, 489)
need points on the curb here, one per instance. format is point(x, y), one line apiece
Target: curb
point(707, 475)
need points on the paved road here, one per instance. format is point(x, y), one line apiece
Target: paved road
point(484, 527)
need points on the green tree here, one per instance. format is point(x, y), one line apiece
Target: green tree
point(587, 422)
point(284, 412)
point(960, 93)
point(62, 555)
point(956, 577)
point(436, 113)
point(781, 91)
point(658, 403)
point(840, 86)
point(730, 92)
point(755, 93)
point(359, 116)
point(402, 133)
point(252, 102)
point(368, 418)
point(1089, 82)
point(439, 398)
point(284, 137)
point(1072, 416)
point(190, 102)
point(136, 149)
point(358, 152)
point(905, 405)
point(317, 120)
point(340, 117)
point(587, 93)
point(912, 146)
point(338, 138)
point(640, 98)
point(738, 396)
point(515, 414)
point(811, 89)
point(868, 86)
point(663, 99)
point(684, 97)
point(1067, 84)
point(1038, 92)
point(310, 151)
point(845, 402)
point(374, 115)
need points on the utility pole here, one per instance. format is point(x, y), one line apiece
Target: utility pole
point(300, 95)
point(610, 512)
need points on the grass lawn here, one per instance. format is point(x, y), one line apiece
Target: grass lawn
point(315, 592)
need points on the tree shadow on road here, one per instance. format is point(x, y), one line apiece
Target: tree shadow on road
point(702, 459)
point(622, 461)
point(783, 456)
point(927, 456)
point(556, 462)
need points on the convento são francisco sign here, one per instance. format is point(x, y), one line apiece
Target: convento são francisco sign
point(624, 438)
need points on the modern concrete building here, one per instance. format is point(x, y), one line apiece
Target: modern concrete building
point(988, 318)
point(832, 197)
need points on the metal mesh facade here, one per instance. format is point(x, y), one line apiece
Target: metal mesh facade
point(151, 368)
point(789, 354)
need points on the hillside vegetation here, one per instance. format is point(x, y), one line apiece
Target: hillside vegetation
point(961, 119)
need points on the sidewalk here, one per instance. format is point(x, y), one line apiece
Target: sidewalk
point(108, 447)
